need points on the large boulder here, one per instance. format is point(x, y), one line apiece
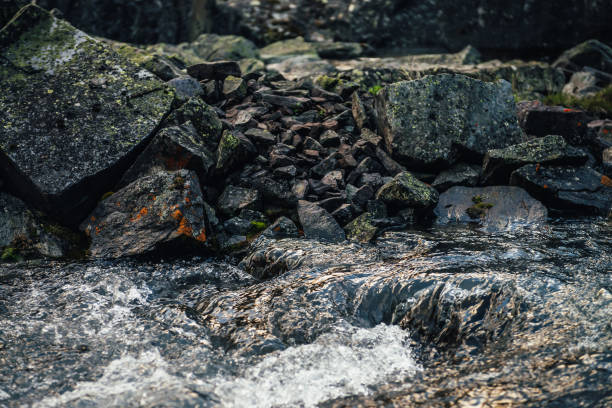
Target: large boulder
point(549, 150)
point(569, 189)
point(74, 114)
point(158, 214)
point(494, 208)
point(406, 191)
point(318, 224)
point(432, 121)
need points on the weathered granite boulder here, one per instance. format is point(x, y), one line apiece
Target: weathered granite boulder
point(573, 190)
point(494, 208)
point(406, 191)
point(549, 150)
point(173, 148)
point(74, 114)
point(158, 214)
point(319, 224)
point(25, 234)
point(433, 121)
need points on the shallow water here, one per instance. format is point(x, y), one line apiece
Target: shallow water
point(447, 316)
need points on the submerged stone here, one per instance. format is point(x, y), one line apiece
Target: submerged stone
point(162, 213)
point(74, 114)
point(434, 120)
point(494, 208)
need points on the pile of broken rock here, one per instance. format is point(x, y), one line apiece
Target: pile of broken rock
point(100, 157)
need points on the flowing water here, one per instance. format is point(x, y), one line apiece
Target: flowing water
point(448, 316)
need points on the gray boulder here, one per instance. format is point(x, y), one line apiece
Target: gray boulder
point(494, 208)
point(406, 191)
point(162, 213)
point(432, 121)
point(318, 224)
point(549, 150)
point(74, 114)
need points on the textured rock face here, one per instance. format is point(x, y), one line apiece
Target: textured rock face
point(318, 223)
point(548, 150)
point(406, 191)
point(163, 212)
point(592, 53)
point(579, 190)
point(73, 113)
point(541, 120)
point(494, 208)
point(432, 121)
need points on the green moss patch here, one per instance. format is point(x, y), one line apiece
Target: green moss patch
point(600, 103)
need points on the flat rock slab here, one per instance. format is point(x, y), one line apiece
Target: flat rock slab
point(214, 70)
point(161, 213)
point(432, 121)
point(73, 113)
point(573, 190)
point(494, 208)
point(318, 224)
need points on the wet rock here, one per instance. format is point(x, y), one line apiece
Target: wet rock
point(214, 70)
point(173, 148)
point(163, 213)
point(283, 227)
point(549, 150)
point(74, 114)
point(541, 120)
point(235, 199)
point(319, 224)
point(406, 191)
point(460, 174)
point(575, 190)
point(493, 208)
point(186, 87)
point(419, 129)
point(234, 88)
point(591, 53)
point(25, 234)
point(282, 50)
point(234, 151)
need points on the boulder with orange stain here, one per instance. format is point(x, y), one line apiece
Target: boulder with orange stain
point(161, 212)
point(571, 190)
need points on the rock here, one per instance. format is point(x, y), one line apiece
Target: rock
point(591, 53)
point(25, 234)
point(388, 163)
point(338, 50)
point(234, 199)
point(362, 229)
point(359, 196)
point(343, 214)
point(164, 67)
point(260, 137)
point(234, 88)
point(460, 174)
point(494, 208)
point(291, 103)
point(218, 70)
point(74, 114)
point(163, 214)
point(288, 172)
point(173, 148)
point(282, 50)
point(214, 47)
point(359, 111)
point(600, 131)
point(431, 121)
point(186, 87)
point(233, 243)
point(237, 226)
point(139, 23)
point(406, 191)
point(549, 150)
point(300, 189)
point(374, 180)
point(584, 84)
point(576, 190)
point(282, 228)
point(234, 151)
point(607, 161)
point(319, 224)
point(203, 117)
point(302, 66)
point(328, 164)
point(329, 138)
point(541, 120)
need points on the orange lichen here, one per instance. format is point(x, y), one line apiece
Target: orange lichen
point(98, 230)
point(177, 215)
point(545, 186)
point(93, 219)
point(176, 164)
point(606, 181)
point(537, 167)
point(143, 211)
point(184, 228)
point(579, 124)
point(187, 200)
point(202, 236)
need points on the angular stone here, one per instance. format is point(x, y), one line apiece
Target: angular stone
point(173, 148)
point(319, 224)
point(234, 88)
point(203, 117)
point(359, 196)
point(74, 114)
point(460, 174)
point(237, 226)
point(234, 199)
point(494, 208)
point(288, 172)
point(343, 214)
point(406, 191)
point(302, 66)
point(213, 47)
point(214, 70)
point(432, 121)
point(359, 112)
point(329, 138)
point(388, 163)
point(282, 228)
point(186, 87)
point(571, 189)
point(606, 161)
point(234, 151)
point(591, 53)
point(162, 213)
point(300, 189)
point(549, 150)
point(260, 137)
point(334, 179)
point(541, 120)
point(362, 229)
point(338, 50)
point(282, 50)
point(326, 165)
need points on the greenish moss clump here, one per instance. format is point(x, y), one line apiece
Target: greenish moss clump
point(374, 90)
point(600, 103)
point(480, 207)
point(328, 83)
point(257, 226)
point(10, 254)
